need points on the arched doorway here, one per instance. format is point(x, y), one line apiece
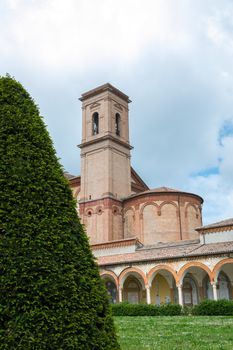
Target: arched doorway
point(195, 281)
point(223, 277)
point(207, 288)
point(162, 283)
point(110, 283)
point(160, 290)
point(190, 291)
point(132, 290)
point(223, 286)
point(112, 291)
point(132, 282)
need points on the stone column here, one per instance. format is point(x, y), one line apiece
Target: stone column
point(120, 294)
point(172, 295)
point(180, 294)
point(148, 298)
point(215, 294)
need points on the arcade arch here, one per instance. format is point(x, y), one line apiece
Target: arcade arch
point(195, 282)
point(111, 284)
point(162, 283)
point(223, 278)
point(132, 282)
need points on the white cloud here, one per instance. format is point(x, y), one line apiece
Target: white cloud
point(173, 58)
point(226, 166)
point(217, 190)
point(218, 201)
point(220, 27)
point(13, 4)
point(67, 34)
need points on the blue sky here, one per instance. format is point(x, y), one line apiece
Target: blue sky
point(172, 57)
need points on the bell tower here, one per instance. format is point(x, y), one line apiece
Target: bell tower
point(105, 157)
point(105, 148)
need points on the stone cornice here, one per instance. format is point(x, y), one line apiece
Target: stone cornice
point(104, 138)
point(98, 201)
point(103, 88)
point(215, 229)
point(118, 243)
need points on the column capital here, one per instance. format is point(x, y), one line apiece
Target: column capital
point(213, 283)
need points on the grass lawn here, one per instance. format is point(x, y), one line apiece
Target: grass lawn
point(173, 333)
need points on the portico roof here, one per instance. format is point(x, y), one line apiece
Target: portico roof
point(183, 249)
point(221, 225)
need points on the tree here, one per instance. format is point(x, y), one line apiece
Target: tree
point(51, 294)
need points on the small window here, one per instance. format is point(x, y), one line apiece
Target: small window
point(95, 123)
point(117, 123)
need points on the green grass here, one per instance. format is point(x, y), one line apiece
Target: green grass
point(173, 333)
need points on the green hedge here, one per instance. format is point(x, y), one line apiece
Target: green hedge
point(214, 308)
point(126, 309)
point(205, 308)
point(51, 293)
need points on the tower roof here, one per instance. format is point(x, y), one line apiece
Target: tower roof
point(102, 88)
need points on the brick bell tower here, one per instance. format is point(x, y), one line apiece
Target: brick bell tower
point(105, 162)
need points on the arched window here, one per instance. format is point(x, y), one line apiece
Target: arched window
point(223, 286)
point(112, 291)
point(95, 123)
point(190, 291)
point(117, 123)
point(132, 290)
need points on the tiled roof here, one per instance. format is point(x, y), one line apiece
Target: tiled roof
point(163, 190)
point(228, 222)
point(103, 88)
point(68, 175)
point(182, 250)
point(119, 243)
point(137, 183)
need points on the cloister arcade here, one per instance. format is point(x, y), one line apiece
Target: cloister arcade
point(193, 282)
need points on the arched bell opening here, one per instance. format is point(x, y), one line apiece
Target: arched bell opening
point(95, 123)
point(118, 124)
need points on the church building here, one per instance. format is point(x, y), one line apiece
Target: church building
point(150, 244)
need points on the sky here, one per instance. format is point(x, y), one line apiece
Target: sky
point(173, 58)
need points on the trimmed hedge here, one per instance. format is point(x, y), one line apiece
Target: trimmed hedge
point(205, 308)
point(214, 308)
point(51, 293)
point(126, 309)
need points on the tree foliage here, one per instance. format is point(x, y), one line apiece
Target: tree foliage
point(51, 294)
